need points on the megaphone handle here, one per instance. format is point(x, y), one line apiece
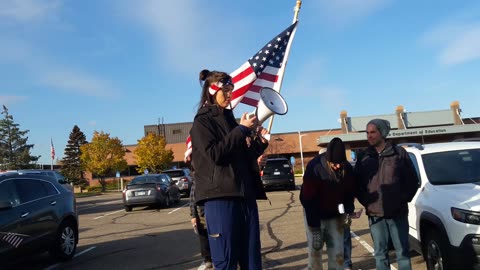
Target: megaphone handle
point(270, 123)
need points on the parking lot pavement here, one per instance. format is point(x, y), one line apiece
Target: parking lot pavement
point(151, 238)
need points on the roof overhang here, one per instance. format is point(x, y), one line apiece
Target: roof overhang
point(404, 133)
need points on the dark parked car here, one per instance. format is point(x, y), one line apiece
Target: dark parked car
point(54, 174)
point(183, 179)
point(36, 214)
point(151, 189)
point(278, 172)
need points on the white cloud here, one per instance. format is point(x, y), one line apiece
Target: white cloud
point(28, 10)
point(342, 12)
point(6, 100)
point(459, 42)
point(92, 123)
point(187, 36)
point(77, 82)
point(60, 77)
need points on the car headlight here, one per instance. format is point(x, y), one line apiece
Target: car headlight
point(465, 216)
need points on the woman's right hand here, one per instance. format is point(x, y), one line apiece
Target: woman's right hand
point(250, 122)
point(194, 225)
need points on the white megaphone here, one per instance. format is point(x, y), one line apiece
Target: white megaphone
point(270, 103)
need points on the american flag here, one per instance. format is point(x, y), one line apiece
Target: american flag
point(52, 149)
point(264, 69)
point(14, 239)
point(189, 148)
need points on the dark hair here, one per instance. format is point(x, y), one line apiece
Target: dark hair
point(209, 77)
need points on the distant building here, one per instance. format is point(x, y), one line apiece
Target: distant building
point(419, 127)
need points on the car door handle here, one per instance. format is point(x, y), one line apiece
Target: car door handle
point(25, 214)
point(53, 202)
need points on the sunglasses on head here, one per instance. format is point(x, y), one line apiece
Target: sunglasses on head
point(226, 81)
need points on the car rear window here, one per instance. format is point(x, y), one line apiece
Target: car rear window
point(162, 179)
point(273, 165)
point(175, 173)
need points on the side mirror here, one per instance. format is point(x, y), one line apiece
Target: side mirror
point(5, 205)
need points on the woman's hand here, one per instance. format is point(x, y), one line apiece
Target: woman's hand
point(194, 225)
point(262, 133)
point(250, 122)
point(357, 214)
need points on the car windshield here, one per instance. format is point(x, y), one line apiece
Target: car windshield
point(149, 179)
point(453, 167)
point(178, 173)
point(273, 165)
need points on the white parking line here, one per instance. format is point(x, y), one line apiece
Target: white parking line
point(55, 266)
point(95, 205)
point(175, 210)
point(108, 214)
point(367, 246)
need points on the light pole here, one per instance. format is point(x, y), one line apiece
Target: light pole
point(301, 150)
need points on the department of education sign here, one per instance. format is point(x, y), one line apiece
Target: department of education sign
point(401, 133)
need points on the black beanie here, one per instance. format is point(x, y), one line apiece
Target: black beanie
point(336, 151)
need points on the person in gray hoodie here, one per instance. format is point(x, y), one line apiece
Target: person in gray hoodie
point(386, 182)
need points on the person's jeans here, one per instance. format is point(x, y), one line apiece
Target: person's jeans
point(253, 227)
point(227, 233)
point(330, 233)
point(395, 228)
point(347, 248)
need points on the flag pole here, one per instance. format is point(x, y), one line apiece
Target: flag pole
point(296, 10)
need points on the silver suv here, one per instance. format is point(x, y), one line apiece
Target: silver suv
point(444, 215)
point(183, 178)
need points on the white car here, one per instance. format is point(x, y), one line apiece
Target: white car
point(444, 215)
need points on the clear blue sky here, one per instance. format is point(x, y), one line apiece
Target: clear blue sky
point(117, 65)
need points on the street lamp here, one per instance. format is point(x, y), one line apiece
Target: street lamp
point(301, 150)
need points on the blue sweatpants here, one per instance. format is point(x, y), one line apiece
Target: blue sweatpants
point(227, 233)
point(253, 226)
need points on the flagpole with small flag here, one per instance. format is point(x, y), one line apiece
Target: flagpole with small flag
point(296, 10)
point(52, 153)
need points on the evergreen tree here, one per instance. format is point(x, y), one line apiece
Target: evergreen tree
point(14, 150)
point(72, 167)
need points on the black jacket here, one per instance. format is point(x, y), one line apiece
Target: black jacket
point(386, 181)
point(224, 165)
point(322, 191)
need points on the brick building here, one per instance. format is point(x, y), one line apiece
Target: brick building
point(420, 127)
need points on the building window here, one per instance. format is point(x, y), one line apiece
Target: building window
point(177, 131)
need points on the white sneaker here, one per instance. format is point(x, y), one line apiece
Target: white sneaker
point(202, 266)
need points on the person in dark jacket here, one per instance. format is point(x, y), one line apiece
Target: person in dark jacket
point(327, 190)
point(387, 181)
point(226, 174)
point(197, 218)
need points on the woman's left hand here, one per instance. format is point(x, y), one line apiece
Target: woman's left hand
point(262, 132)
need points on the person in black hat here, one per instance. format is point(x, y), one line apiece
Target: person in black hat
point(386, 182)
point(326, 192)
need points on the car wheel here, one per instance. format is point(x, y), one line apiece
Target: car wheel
point(435, 251)
point(128, 208)
point(65, 243)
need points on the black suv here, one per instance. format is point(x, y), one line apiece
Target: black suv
point(278, 172)
point(37, 213)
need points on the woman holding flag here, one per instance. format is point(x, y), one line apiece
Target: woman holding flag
point(227, 179)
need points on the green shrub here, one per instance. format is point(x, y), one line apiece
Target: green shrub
point(94, 189)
